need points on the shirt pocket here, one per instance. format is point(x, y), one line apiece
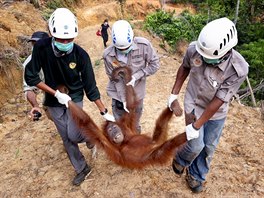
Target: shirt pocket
point(215, 78)
point(138, 61)
point(212, 82)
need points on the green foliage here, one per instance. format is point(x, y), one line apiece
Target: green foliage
point(254, 54)
point(249, 32)
point(97, 63)
point(173, 28)
point(52, 5)
point(187, 27)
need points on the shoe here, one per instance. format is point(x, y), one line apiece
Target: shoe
point(195, 185)
point(177, 168)
point(80, 177)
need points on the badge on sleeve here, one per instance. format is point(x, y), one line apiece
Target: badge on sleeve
point(197, 62)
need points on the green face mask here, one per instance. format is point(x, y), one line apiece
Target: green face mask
point(211, 61)
point(63, 47)
point(125, 51)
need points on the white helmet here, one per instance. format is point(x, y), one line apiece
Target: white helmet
point(217, 38)
point(122, 34)
point(63, 24)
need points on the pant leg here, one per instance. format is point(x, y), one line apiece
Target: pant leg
point(187, 153)
point(69, 134)
point(212, 133)
point(118, 111)
point(105, 39)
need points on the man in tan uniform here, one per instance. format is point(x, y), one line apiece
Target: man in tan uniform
point(215, 72)
point(136, 53)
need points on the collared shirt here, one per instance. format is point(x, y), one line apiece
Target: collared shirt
point(142, 60)
point(206, 81)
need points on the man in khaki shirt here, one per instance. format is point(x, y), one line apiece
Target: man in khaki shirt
point(136, 53)
point(215, 72)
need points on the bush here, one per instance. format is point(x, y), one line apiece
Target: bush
point(254, 54)
point(173, 28)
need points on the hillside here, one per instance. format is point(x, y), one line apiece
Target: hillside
point(33, 162)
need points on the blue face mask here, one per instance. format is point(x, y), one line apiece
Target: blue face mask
point(64, 47)
point(211, 61)
point(124, 51)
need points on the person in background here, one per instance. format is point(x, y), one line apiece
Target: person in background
point(215, 72)
point(136, 53)
point(104, 31)
point(32, 91)
point(66, 64)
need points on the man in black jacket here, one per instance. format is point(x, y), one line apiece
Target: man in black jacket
point(65, 63)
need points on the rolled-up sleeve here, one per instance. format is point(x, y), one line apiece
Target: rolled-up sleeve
point(152, 63)
point(229, 88)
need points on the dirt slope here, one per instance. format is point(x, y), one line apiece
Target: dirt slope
point(33, 162)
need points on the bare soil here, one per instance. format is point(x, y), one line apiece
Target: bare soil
point(33, 162)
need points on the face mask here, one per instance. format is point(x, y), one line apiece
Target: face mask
point(211, 61)
point(64, 47)
point(124, 51)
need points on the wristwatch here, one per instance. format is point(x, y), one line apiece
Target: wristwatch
point(104, 112)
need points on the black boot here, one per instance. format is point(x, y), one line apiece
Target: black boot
point(80, 177)
point(177, 168)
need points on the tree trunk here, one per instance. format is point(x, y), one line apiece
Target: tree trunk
point(237, 10)
point(251, 93)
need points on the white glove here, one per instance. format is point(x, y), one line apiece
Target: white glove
point(191, 132)
point(125, 108)
point(132, 82)
point(171, 98)
point(62, 98)
point(109, 117)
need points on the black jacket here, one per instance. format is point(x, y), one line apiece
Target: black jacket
point(73, 70)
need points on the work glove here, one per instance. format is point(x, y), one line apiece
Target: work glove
point(191, 132)
point(171, 98)
point(132, 82)
point(125, 107)
point(62, 98)
point(109, 117)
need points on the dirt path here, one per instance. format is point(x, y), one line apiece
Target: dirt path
point(33, 162)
